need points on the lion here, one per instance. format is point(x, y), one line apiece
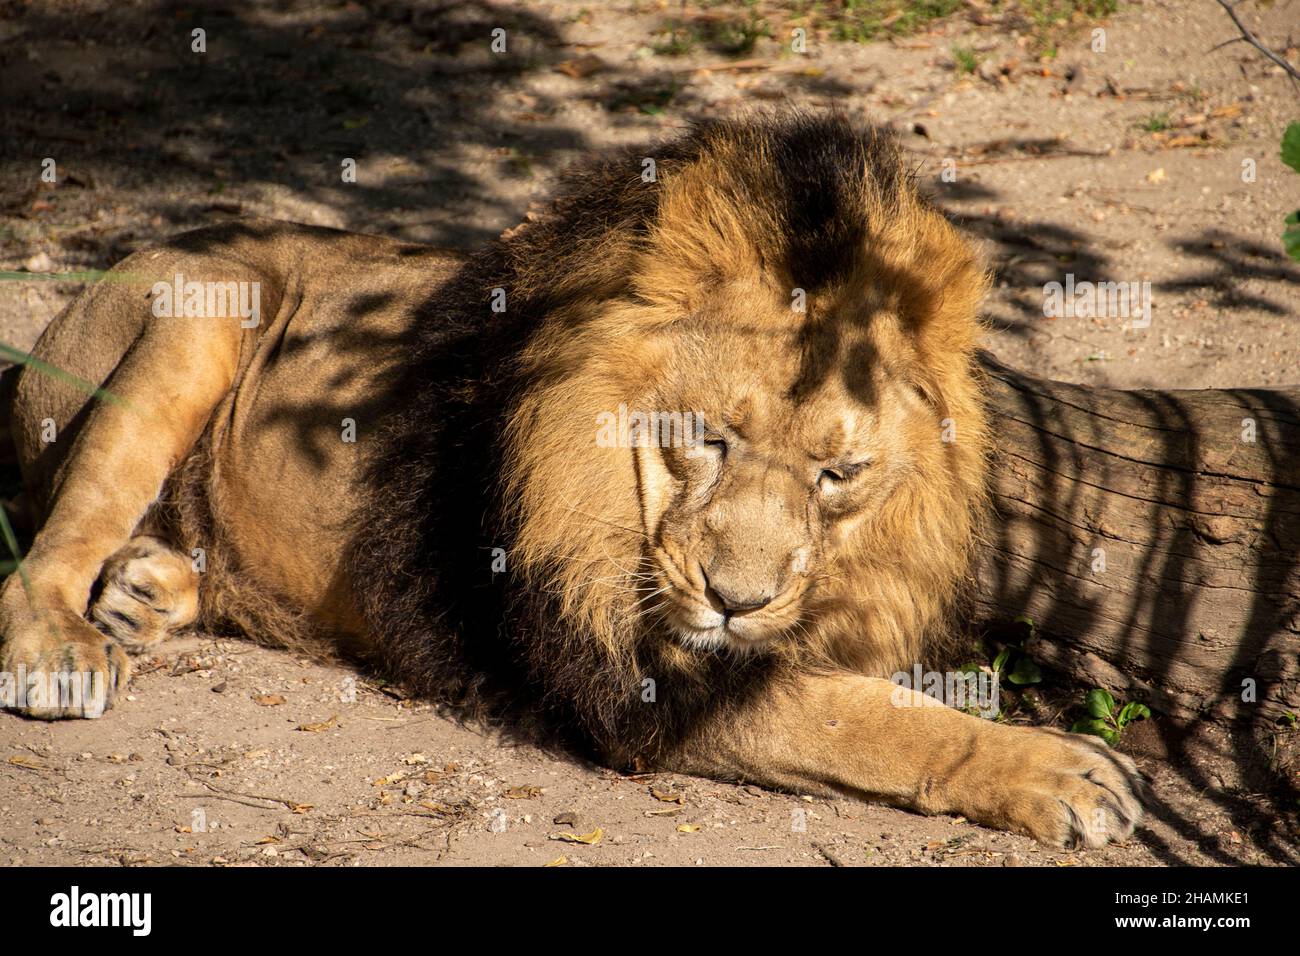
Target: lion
point(682, 469)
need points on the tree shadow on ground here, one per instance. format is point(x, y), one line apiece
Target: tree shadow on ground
point(281, 97)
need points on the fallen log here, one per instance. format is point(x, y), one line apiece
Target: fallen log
point(1153, 539)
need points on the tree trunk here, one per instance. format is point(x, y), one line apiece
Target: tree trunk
point(1153, 538)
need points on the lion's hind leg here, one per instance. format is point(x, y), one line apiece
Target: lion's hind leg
point(148, 592)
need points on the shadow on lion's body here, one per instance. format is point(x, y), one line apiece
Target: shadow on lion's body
point(730, 615)
point(450, 447)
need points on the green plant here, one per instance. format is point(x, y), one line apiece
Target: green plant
point(1050, 12)
point(738, 37)
point(859, 21)
point(1291, 157)
point(1017, 667)
point(1015, 663)
point(678, 42)
point(964, 59)
point(1106, 718)
point(1047, 21)
point(916, 15)
point(732, 35)
point(1156, 124)
point(1011, 663)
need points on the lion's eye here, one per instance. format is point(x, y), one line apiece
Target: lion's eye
point(717, 443)
point(831, 475)
point(832, 478)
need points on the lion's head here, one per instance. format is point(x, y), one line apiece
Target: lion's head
point(785, 363)
point(742, 420)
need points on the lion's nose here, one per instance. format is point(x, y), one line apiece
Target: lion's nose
point(732, 602)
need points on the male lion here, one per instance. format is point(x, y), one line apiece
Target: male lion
point(400, 453)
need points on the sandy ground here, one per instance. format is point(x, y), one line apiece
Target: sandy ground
point(1119, 165)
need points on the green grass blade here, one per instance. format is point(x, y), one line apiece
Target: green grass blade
point(88, 275)
point(11, 540)
point(24, 358)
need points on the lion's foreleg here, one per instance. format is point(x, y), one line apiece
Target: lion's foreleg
point(161, 395)
point(847, 733)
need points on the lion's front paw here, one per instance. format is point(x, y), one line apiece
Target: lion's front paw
point(149, 592)
point(1068, 789)
point(55, 665)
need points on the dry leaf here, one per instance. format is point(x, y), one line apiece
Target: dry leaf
point(688, 828)
point(590, 839)
point(391, 778)
point(300, 807)
point(268, 700)
point(1156, 175)
point(323, 725)
point(668, 796)
point(29, 763)
point(522, 793)
point(415, 759)
point(558, 861)
point(583, 66)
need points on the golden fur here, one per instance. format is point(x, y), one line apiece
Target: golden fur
point(727, 605)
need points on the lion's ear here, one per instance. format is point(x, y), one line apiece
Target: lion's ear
point(943, 288)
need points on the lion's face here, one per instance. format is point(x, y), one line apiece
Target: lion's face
point(800, 431)
point(809, 325)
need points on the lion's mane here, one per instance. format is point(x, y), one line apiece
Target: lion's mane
point(482, 454)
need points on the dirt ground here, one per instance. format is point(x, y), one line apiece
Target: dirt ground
point(1120, 165)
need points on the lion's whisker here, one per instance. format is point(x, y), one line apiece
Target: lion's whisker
point(612, 524)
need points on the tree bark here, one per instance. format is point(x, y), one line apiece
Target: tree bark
point(1153, 538)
